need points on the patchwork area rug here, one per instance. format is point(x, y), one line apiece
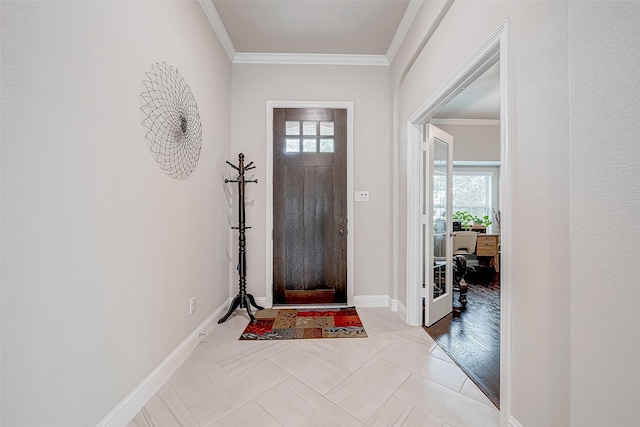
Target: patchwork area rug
point(288, 324)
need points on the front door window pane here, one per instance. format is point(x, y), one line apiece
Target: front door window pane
point(309, 146)
point(293, 128)
point(326, 128)
point(293, 145)
point(326, 145)
point(309, 128)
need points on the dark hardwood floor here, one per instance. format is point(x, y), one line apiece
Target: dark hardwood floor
point(472, 338)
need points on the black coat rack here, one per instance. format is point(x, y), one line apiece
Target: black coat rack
point(243, 299)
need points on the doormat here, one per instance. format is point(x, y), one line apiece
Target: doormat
point(290, 324)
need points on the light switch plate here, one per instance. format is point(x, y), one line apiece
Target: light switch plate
point(362, 196)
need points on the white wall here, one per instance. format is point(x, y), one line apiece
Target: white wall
point(365, 86)
point(540, 108)
point(100, 250)
point(425, 23)
point(604, 71)
point(474, 142)
point(478, 143)
point(575, 109)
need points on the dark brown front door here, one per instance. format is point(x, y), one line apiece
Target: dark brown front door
point(309, 206)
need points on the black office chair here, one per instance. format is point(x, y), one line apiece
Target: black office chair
point(464, 246)
point(459, 271)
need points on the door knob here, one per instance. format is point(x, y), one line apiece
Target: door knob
point(341, 232)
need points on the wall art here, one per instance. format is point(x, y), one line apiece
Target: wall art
point(171, 121)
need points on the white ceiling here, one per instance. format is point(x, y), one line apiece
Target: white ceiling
point(478, 101)
point(306, 31)
point(354, 27)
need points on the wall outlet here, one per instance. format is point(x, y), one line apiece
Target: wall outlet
point(192, 305)
point(362, 196)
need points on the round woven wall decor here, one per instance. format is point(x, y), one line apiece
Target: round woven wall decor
point(171, 121)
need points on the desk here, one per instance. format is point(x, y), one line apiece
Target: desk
point(488, 245)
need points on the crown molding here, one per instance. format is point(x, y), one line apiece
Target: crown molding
point(466, 122)
point(303, 58)
point(309, 59)
point(215, 21)
point(403, 28)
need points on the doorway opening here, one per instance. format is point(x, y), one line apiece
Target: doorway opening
point(470, 331)
point(492, 55)
point(312, 132)
point(310, 224)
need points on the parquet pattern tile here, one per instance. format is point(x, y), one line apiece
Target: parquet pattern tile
point(395, 377)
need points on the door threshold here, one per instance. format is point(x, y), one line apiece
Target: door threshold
point(310, 306)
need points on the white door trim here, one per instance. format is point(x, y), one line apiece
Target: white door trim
point(269, 195)
point(495, 48)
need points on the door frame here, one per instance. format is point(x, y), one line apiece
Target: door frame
point(269, 190)
point(494, 49)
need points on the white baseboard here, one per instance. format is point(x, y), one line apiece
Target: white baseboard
point(126, 410)
point(397, 306)
point(371, 301)
point(393, 304)
point(402, 310)
point(513, 422)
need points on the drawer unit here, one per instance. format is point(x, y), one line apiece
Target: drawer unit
point(486, 250)
point(487, 245)
point(487, 240)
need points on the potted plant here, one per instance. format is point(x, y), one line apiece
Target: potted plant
point(465, 218)
point(484, 221)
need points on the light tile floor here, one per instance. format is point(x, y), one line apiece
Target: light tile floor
point(398, 376)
